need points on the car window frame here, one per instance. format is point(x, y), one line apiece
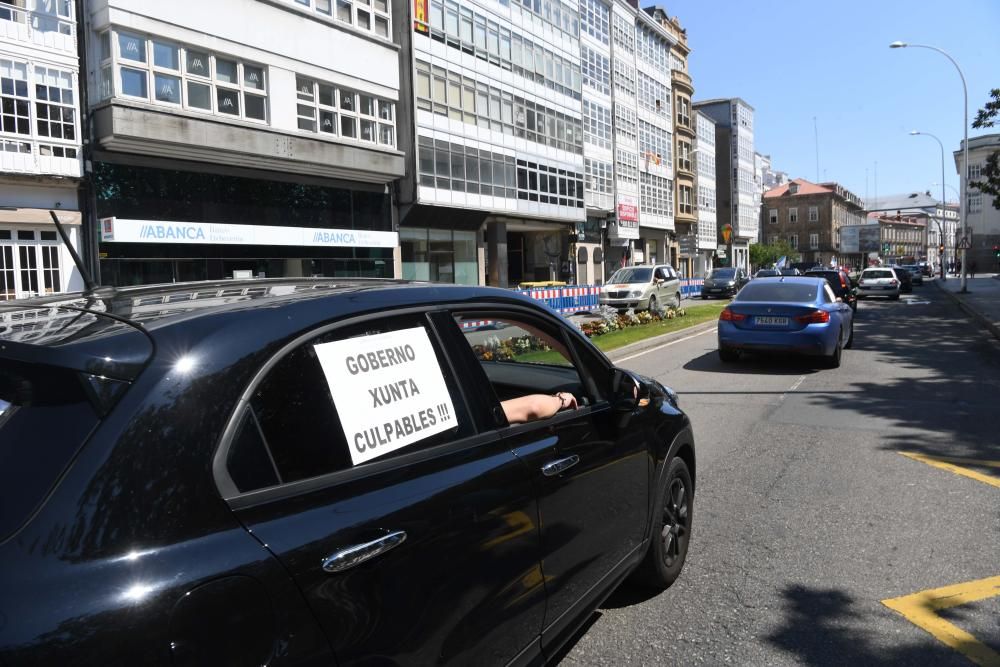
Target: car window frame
point(599, 401)
point(239, 499)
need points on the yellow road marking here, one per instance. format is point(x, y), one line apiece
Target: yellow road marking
point(920, 609)
point(947, 463)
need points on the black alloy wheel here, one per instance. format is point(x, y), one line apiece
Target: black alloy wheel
point(652, 303)
point(850, 337)
point(677, 300)
point(671, 528)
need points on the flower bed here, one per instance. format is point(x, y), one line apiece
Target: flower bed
point(612, 320)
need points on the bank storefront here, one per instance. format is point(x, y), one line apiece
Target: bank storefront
point(167, 225)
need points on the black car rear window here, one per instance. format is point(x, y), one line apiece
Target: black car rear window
point(45, 417)
point(773, 290)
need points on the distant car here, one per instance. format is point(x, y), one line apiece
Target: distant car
point(926, 269)
point(723, 282)
point(799, 315)
point(916, 276)
point(770, 273)
point(642, 288)
point(840, 283)
point(879, 281)
point(905, 278)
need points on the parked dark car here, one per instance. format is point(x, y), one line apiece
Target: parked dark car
point(320, 472)
point(723, 282)
point(840, 283)
point(905, 278)
point(916, 275)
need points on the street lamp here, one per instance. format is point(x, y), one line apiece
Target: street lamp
point(965, 147)
point(940, 224)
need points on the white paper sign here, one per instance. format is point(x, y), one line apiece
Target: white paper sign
point(388, 389)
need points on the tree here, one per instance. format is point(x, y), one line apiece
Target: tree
point(764, 255)
point(986, 117)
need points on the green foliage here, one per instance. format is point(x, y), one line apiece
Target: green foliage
point(986, 117)
point(763, 255)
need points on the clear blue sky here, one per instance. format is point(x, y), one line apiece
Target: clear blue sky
point(792, 61)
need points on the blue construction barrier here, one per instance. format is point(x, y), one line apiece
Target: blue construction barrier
point(567, 300)
point(691, 287)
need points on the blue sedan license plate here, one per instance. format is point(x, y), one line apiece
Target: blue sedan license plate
point(771, 321)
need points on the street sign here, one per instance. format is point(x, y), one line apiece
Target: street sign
point(964, 243)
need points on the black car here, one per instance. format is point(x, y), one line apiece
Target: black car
point(723, 282)
point(905, 278)
point(294, 472)
point(840, 283)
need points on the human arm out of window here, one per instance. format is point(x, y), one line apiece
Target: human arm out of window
point(536, 406)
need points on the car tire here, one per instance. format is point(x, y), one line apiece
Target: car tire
point(704, 296)
point(833, 361)
point(651, 306)
point(894, 297)
point(670, 532)
point(677, 300)
point(850, 338)
point(727, 355)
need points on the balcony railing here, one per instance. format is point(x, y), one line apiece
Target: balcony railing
point(38, 28)
point(30, 155)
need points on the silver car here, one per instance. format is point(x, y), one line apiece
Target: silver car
point(879, 281)
point(642, 287)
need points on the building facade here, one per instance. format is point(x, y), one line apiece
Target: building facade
point(230, 148)
point(940, 221)
point(40, 147)
point(982, 218)
point(738, 200)
point(705, 159)
point(685, 190)
point(809, 217)
point(496, 184)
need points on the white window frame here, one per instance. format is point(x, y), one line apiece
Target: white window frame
point(772, 216)
point(793, 215)
point(245, 73)
point(793, 241)
point(813, 241)
point(813, 213)
point(318, 101)
point(39, 250)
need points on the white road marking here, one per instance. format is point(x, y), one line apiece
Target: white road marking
point(795, 386)
point(660, 347)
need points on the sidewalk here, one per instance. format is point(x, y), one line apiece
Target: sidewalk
point(981, 302)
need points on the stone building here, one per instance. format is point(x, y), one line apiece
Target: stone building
point(809, 217)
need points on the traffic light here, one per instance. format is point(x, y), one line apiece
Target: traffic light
point(996, 251)
point(941, 248)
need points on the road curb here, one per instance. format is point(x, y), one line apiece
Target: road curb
point(970, 311)
point(656, 341)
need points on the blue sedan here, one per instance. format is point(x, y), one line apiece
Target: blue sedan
point(798, 315)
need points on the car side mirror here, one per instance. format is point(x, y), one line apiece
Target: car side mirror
point(625, 390)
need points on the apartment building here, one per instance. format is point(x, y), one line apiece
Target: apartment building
point(706, 238)
point(492, 102)
point(738, 200)
point(685, 190)
point(809, 217)
point(981, 218)
point(40, 147)
point(941, 221)
point(250, 147)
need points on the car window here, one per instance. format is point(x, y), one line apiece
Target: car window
point(343, 398)
point(829, 296)
point(522, 356)
point(45, 417)
point(722, 274)
point(877, 273)
point(773, 290)
point(637, 274)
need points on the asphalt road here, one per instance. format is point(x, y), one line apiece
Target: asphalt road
point(806, 514)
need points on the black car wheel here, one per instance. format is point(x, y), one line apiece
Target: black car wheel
point(671, 529)
point(727, 355)
point(652, 303)
point(850, 338)
point(833, 361)
point(677, 300)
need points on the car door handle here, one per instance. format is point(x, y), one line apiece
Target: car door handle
point(355, 555)
point(553, 468)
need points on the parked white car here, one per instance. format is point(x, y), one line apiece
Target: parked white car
point(879, 281)
point(642, 287)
